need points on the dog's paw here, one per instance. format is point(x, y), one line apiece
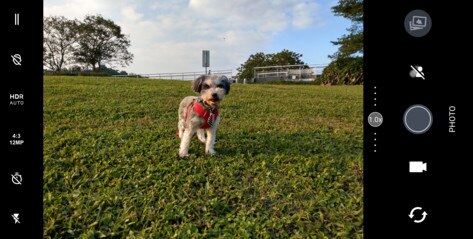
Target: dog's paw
point(183, 155)
point(211, 152)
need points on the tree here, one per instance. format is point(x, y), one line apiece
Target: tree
point(245, 71)
point(347, 71)
point(353, 42)
point(110, 71)
point(59, 38)
point(285, 57)
point(347, 63)
point(102, 42)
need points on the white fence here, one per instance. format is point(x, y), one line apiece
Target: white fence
point(179, 75)
point(289, 72)
point(318, 68)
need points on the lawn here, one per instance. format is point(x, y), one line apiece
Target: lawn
point(289, 162)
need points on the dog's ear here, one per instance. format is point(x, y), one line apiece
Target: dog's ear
point(197, 84)
point(226, 84)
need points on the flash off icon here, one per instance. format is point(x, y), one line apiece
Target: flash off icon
point(417, 167)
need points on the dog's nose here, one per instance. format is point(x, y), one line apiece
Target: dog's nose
point(215, 96)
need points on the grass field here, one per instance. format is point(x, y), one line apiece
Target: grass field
point(289, 162)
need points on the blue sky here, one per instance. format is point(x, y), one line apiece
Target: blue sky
point(169, 36)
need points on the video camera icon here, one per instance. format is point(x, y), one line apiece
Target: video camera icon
point(417, 167)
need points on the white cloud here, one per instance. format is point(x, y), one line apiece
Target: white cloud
point(169, 36)
point(76, 8)
point(305, 14)
point(130, 14)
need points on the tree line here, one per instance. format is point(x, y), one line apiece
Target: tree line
point(93, 43)
point(282, 58)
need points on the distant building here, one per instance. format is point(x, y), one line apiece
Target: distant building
point(288, 73)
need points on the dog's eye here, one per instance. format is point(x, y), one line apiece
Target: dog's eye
point(205, 86)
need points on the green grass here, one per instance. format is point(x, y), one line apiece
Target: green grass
point(289, 162)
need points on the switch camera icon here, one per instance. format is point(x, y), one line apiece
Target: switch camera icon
point(412, 215)
point(417, 167)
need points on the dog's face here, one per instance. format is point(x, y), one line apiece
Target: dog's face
point(212, 88)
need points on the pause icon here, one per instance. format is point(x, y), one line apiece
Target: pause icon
point(17, 19)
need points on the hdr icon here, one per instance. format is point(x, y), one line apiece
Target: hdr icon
point(16, 100)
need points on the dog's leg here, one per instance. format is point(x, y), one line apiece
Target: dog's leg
point(201, 135)
point(180, 126)
point(211, 135)
point(185, 142)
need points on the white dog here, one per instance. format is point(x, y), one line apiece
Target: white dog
point(197, 114)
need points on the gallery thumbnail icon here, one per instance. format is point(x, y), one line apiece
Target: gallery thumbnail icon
point(418, 23)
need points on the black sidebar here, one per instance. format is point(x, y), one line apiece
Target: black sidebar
point(22, 113)
point(415, 119)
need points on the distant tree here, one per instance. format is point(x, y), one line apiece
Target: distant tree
point(353, 42)
point(245, 71)
point(110, 71)
point(347, 63)
point(101, 42)
point(284, 57)
point(59, 39)
point(346, 71)
point(75, 68)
